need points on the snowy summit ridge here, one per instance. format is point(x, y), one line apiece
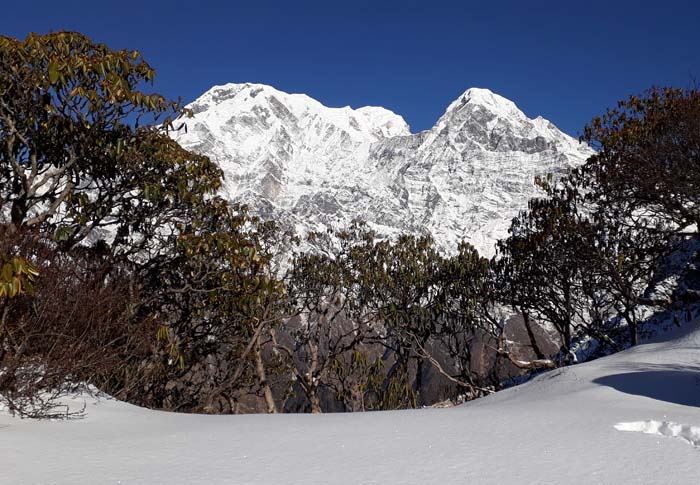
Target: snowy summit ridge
point(312, 167)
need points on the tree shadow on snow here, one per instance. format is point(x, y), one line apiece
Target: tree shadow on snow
point(674, 386)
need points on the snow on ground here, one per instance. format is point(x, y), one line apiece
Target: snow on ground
point(568, 426)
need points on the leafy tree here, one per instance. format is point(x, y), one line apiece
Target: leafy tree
point(544, 266)
point(85, 155)
point(399, 299)
point(648, 157)
point(585, 257)
point(466, 310)
point(214, 295)
point(331, 323)
point(626, 257)
point(75, 155)
point(402, 281)
point(642, 191)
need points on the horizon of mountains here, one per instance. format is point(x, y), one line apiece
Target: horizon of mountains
point(311, 167)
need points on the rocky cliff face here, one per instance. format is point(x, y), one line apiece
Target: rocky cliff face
point(311, 167)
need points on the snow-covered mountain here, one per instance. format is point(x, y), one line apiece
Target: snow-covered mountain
point(311, 166)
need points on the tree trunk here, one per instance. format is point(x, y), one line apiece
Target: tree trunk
point(568, 357)
point(315, 400)
point(531, 335)
point(419, 378)
point(18, 212)
point(262, 377)
point(633, 331)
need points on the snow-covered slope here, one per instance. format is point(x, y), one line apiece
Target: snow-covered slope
point(568, 426)
point(312, 167)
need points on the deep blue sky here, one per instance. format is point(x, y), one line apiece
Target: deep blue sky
point(564, 60)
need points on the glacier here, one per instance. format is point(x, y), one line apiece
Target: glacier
point(311, 167)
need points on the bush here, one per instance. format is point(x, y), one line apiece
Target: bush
point(74, 326)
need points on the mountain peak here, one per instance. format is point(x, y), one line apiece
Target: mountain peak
point(475, 98)
point(486, 97)
point(270, 106)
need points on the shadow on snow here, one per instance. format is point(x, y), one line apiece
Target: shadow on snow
point(676, 385)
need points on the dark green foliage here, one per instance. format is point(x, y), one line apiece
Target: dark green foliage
point(543, 265)
point(73, 156)
point(395, 306)
point(75, 159)
point(584, 259)
point(649, 156)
